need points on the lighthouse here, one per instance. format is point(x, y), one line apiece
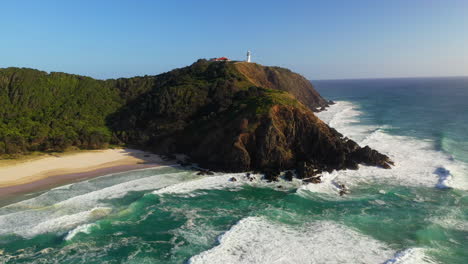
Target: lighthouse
point(248, 56)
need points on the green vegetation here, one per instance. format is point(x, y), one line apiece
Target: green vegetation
point(42, 111)
point(51, 112)
point(264, 103)
point(178, 99)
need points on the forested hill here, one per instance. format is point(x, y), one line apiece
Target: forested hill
point(232, 116)
point(41, 111)
point(51, 112)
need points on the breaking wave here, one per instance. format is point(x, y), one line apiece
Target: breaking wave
point(256, 240)
point(64, 208)
point(417, 162)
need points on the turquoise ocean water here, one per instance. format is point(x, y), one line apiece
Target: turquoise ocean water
point(416, 212)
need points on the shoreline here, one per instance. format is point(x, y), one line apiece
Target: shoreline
point(49, 172)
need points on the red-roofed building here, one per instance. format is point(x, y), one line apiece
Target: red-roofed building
point(221, 59)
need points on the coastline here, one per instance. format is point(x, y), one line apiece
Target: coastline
point(52, 171)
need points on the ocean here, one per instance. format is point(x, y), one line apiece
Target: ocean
point(416, 212)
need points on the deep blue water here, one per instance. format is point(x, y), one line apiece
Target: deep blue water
point(426, 108)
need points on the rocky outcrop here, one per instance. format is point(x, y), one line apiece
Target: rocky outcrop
point(371, 157)
point(284, 138)
point(238, 116)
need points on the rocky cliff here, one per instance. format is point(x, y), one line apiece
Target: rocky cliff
point(235, 116)
point(230, 116)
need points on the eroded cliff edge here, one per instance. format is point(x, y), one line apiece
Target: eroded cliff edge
point(236, 116)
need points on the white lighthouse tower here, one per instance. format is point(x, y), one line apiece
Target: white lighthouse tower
point(248, 56)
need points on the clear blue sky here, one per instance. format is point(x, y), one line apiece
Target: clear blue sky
point(319, 39)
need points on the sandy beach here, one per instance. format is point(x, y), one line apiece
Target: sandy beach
point(51, 171)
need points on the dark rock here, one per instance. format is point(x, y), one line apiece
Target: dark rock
point(351, 165)
point(288, 176)
point(271, 175)
point(249, 176)
point(371, 157)
point(307, 170)
point(343, 189)
point(350, 145)
point(184, 164)
point(316, 179)
point(233, 179)
point(205, 172)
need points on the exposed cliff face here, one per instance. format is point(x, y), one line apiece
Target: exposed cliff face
point(285, 80)
point(286, 137)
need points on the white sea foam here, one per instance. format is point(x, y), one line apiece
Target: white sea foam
point(410, 256)
point(417, 163)
point(86, 229)
point(52, 224)
point(211, 182)
point(223, 181)
point(257, 240)
point(65, 208)
point(453, 217)
point(88, 203)
point(66, 192)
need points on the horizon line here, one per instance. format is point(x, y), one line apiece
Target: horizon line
point(386, 78)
